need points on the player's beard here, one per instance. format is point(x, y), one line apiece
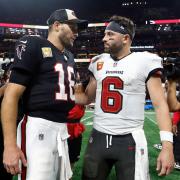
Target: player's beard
point(113, 49)
point(66, 42)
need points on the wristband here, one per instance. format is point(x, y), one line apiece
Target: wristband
point(166, 136)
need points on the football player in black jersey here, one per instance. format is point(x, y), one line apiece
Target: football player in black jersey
point(43, 75)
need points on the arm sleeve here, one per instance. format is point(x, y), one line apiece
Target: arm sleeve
point(93, 64)
point(154, 65)
point(90, 68)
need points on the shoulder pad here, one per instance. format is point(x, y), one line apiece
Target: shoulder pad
point(96, 58)
point(29, 38)
point(152, 56)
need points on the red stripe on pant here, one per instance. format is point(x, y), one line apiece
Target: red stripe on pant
point(23, 145)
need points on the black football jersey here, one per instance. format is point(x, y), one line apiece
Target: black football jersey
point(47, 74)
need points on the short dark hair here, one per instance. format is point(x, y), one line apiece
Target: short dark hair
point(126, 22)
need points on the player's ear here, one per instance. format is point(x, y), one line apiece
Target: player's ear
point(56, 25)
point(126, 38)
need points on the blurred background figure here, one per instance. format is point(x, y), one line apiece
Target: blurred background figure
point(172, 73)
point(176, 132)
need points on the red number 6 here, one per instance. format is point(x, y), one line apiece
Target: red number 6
point(114, 96)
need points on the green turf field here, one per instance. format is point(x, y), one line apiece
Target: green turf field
point(152, 134)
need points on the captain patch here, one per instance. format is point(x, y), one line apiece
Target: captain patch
point(46, 52)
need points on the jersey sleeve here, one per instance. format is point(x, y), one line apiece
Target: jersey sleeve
point(26, 60)
point(154, 65)
point(92, 66)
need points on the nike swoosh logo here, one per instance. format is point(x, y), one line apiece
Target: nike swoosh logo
point(24, 42)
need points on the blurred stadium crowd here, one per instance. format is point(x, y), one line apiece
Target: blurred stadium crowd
point(157, 30)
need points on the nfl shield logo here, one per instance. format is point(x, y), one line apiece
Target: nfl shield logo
point(41, 136)
point(115, 64)
point(142, 151)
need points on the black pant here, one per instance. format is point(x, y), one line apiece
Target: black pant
point(104, 151)
point(74, 148)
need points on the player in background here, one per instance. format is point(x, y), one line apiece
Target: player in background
point(176, 132)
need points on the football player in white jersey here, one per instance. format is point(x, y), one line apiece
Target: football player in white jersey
point(118, 85)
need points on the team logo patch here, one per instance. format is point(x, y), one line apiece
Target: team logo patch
point(47, 52)
point(20, 49)
point(100, 65)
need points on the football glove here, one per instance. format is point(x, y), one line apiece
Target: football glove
point(77, 112)
point(75, 129)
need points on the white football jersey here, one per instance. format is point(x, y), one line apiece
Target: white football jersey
point(120, 93)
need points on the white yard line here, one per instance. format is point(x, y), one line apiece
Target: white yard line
point(149, 113)
point(151, 120)
point(89, 110)
point(87, 118)
point(89, 123)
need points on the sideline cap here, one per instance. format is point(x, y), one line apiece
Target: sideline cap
point(65, 16)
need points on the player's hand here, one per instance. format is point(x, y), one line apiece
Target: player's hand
point(174, 129)
point(11, 158)
point(78, 88)
point(165, 160)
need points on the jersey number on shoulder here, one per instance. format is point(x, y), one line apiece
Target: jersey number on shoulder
point(62, 95)
point(111, 98)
